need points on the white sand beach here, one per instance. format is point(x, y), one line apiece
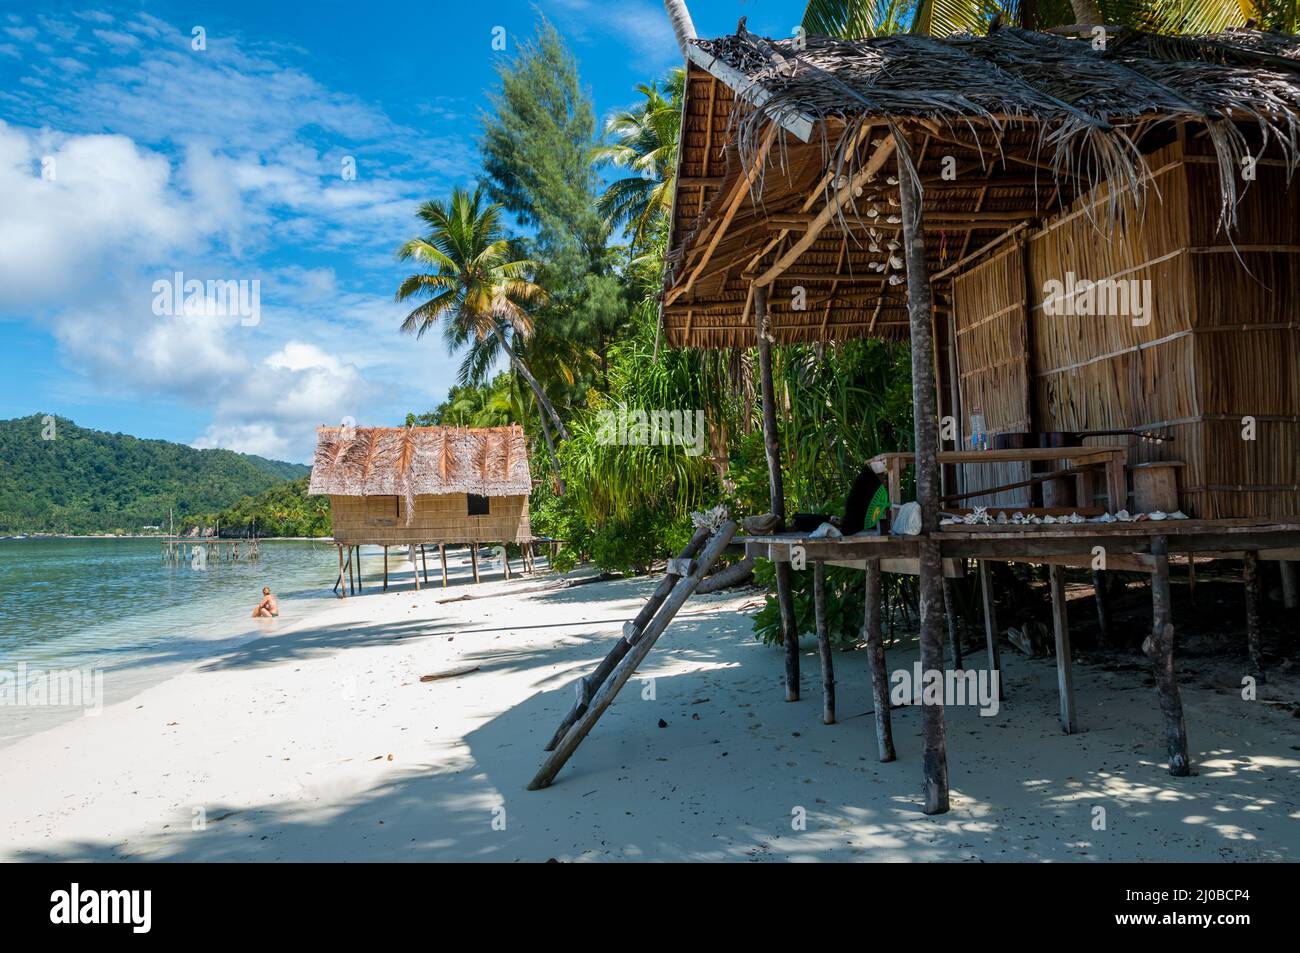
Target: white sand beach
point(319, 742)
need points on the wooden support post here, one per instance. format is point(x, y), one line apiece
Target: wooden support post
point(1159, 647)
point(473, 558)
point(1101, 596)
point(926, 434)
point(505, 559)
point(361, 587)
point(1250, 575)
point(876, 663)
point(424, 560)
point(824, 643)
point(635, 656)
point(1289, 597)
point(954, 631)
point(1064, 667)
point(415, 568)
point(352, 583)
point(587, 687)
point(442, 551)
point(776, 494)
point(385, 569)
point(342, 583)
point(991, 629)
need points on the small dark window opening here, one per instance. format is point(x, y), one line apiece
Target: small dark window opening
point(478, 505)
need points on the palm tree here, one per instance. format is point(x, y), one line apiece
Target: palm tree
point(645, 142)
point(478, 285)
point(680, 18)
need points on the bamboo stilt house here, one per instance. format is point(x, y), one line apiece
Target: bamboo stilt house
point(1075, 234)
point(1055, 179)
point(411, 485)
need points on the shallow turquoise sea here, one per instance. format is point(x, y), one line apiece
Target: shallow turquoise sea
point(115, 605)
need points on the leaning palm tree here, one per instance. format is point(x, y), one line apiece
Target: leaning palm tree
point(477, 284)
point(645, 143)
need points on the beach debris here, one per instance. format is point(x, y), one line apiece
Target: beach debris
point(1123, 516)
point(451, 673)
point(1049, 518)
point(757, 525)
point(1178, 515)
point(979, 515)
point(825, 531)
point(709, 519)
point(908, 520)
point(1158, 515)
point(1029, 638)
point(1002, 516)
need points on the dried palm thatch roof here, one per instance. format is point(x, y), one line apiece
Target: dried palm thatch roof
point(792, 150)
point(408, 461)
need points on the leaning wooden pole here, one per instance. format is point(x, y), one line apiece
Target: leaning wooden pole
point(623, 671)
point(1159, 647)
point(776, 493)
point(1250, 575)
point(876, 662)
point(919, 311)
point(824, 643)
point(587, 687)
point(991, 630)
point(442, 551)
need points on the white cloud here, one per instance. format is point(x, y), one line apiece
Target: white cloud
point(221, 165)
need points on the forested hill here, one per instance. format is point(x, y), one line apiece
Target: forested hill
point(67, 479)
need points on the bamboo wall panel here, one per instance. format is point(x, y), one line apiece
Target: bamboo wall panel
point(381, 520)
point(989, 306)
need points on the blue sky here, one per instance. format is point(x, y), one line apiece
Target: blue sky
point(126, 156)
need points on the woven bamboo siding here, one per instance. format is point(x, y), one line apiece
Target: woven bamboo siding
point(1247, 344)
point(381, 520)
point(992, 365)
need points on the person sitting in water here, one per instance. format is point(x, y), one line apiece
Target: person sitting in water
point(268, 608)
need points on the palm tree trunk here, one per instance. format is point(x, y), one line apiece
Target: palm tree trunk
point(550, 452)
point(542, 400)
point(1086, 12)
point(680, 18)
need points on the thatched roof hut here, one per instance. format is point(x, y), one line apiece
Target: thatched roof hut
point(1041, 162)
point(1008, 128)
point(398, 485)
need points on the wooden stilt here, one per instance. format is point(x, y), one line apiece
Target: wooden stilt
point(1289, 596)
point(634, 657)
point(1101, 596)
point(587, 687)
point(415, 568)
point(361, 586)
point(473, 558)
point(926, 435)
point(1250, 574)
point(776, 493)
point(954, 632)
point(352, 585)
point(991, 630)
point(424, 560)
point(505, 559)
point(442, 551)
point(876, 663)
point(1159, 647)
point(824, 643)
point(1064, 668)
point(341, 584)
point(385, 569)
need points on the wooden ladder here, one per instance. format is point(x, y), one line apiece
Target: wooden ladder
point(596, 691)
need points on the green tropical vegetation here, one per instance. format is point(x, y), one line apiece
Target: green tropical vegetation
point(284, 510)
point(60, 478)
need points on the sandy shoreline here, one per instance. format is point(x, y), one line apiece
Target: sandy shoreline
point(282, 746)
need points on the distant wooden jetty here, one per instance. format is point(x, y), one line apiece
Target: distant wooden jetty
point(179, 549)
